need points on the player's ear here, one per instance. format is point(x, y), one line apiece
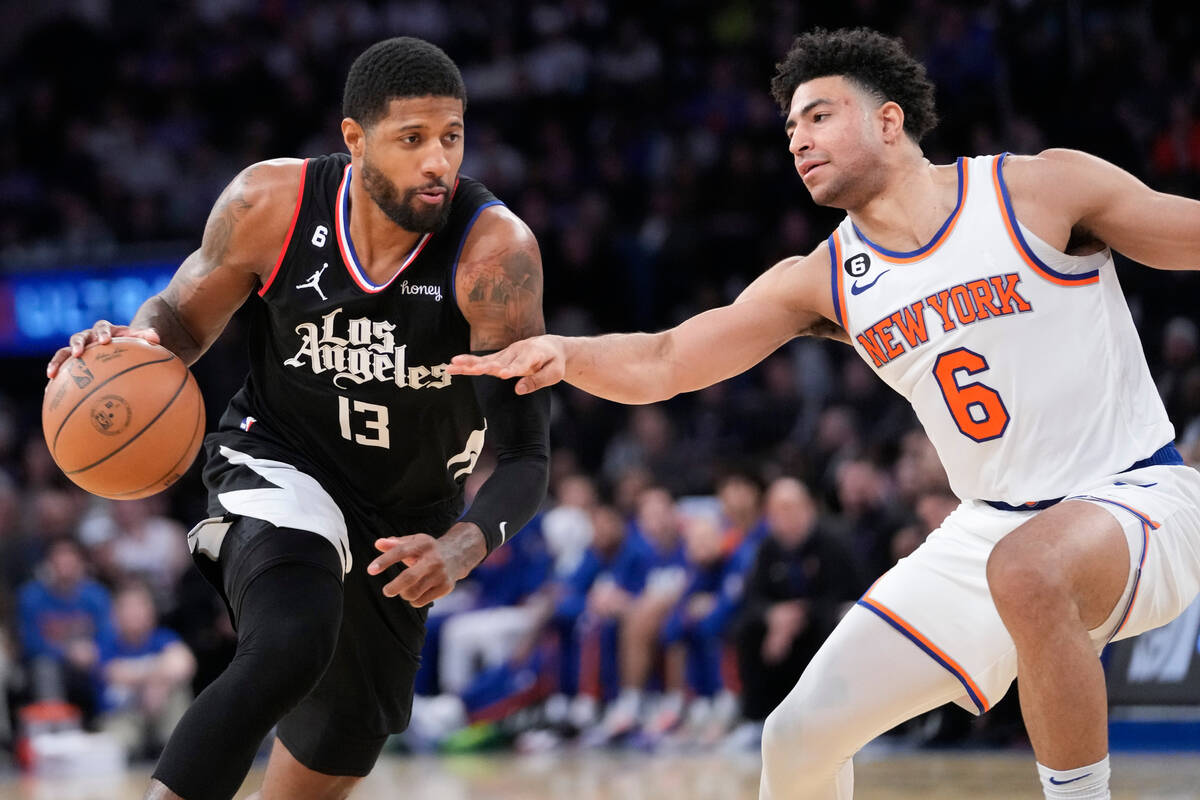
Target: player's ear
point(354, 135)
point(891, 121)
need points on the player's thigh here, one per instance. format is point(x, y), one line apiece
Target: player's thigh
point(1072, 553)
point(366, 693)
point(288, 779)
point(939, 600)
point(864, 680)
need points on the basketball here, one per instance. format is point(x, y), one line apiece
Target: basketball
point(124, 420)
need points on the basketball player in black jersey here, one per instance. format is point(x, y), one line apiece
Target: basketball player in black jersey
point(335, 476)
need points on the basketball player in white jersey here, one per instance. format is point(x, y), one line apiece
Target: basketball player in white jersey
point(984, 292)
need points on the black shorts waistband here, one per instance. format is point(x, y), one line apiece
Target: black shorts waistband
point(1165, 455)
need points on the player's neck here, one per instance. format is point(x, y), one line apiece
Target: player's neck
point(379, 243)
point(911, 206)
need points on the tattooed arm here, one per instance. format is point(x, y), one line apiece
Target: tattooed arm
point(242, 239)
point(499, 281)
point(499, 289)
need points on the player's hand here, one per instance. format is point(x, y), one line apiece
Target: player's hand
point(433, 566)
point(538, 361)
point(102, 332)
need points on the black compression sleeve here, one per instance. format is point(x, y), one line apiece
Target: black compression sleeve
point(518, 427)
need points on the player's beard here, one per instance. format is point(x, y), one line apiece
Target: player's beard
point(405, 210)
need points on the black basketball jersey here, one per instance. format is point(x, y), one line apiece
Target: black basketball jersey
point(352, 375)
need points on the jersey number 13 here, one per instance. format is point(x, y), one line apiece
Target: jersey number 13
point(374, 419)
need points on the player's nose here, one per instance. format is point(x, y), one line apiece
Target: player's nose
point(436, 162)
point(800, 143)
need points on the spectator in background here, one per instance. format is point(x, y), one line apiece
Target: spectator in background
point(866, 513)
point(595, 599)
point(641, 616)
point(801, 583)
point(933, 506)
point(134, 539)
point(50, 512)
point(146, 672)
point(692, 636)
point(63, 615)
point(502, 616)
point(918, 468)
point(567, 528)
point(651, 440)
point(1180, 356)
point(740, 496)
point(930, 509)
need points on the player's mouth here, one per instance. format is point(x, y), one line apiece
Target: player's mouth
point(432, 196)
point(806, 168)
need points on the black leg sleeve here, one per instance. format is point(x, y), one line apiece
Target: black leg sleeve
point(288, 623)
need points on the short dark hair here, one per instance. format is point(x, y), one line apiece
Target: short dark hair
point(398, 68)
point(878, 64)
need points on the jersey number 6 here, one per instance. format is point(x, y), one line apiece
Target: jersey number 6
point(976, 408)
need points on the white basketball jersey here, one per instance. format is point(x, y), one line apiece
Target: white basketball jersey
point(1022, 362)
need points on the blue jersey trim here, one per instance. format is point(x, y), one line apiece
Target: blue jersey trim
point(1016, 229)
point(833, 282)
point(937, 237)
point(970, 692)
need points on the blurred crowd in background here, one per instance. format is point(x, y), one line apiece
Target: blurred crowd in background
point(684, 546)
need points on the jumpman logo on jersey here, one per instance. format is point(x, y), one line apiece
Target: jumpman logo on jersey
point(314, 282)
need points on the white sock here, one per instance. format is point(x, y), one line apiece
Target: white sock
point(1081, 783)
point(629, 698)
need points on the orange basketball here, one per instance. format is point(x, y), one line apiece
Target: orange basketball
point(124, 420)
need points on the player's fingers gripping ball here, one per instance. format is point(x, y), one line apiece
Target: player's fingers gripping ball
point(124, 420)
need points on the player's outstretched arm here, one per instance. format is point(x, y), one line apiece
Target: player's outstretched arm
point(788, 300)
point(1105, 202)
point(242, 240)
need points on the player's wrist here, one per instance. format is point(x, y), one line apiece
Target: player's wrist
point(466, 546)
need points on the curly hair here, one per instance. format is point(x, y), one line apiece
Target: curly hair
point(876, 63)
point(396, 68)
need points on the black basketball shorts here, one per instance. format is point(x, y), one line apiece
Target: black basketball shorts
point(366, 693)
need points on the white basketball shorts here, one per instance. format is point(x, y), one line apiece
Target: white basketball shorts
point(938, 597)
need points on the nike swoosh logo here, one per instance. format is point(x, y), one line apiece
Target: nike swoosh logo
point(856, 290)
point(1072, 780)
point(503, 533)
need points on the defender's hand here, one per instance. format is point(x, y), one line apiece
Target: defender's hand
point(433, 566)
point(538, 361)
point(100, 333)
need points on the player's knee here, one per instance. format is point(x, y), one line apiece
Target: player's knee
point(1023, 586)
point(796, 740)
point(292, 645)
point(307, 647)
point(294, 653)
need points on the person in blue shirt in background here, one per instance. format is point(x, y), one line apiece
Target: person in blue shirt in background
point(693, 635)
point(503, 613)
point(62, 615)
point(640, 617)
point(146, 671)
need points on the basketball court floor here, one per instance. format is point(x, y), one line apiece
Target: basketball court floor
point(629, 776)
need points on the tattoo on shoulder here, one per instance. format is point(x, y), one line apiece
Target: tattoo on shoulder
point(231, 206)
point(504, 300)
